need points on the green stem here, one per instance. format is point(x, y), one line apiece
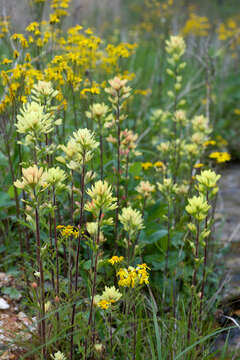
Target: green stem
point(42, 296)
point(118, 168)
point(78, 251)
point(56, 249)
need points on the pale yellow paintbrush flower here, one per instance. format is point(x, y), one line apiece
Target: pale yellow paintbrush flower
point(145, 188)
point(131, 220)
point(198, 207)
point(97, 111)
point(207, 179)
point(33, 120)
point(175, 45)
point(32, 176)
point(102, 199)
point(44, 88)
point(85, 139)
point(58, 356)
point(54, 177)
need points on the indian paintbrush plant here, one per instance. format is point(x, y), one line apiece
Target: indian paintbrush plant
point(115, 243)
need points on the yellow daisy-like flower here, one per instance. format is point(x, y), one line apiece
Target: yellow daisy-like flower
point(209, 142)
point(68, 230)
point(131, 276)
point(104, 304)
point(6, 61)
point(146, 165)
point(199, 165)
point(109, 296)
point(143, 274)
point(158, 164)
point(220, 157)
point(116, 260)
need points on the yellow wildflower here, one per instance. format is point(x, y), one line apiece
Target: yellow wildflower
point(143, 274)
point(237, 111)
point(220, 157)
point(131, 276)
point(68, 230)
point(146, 165)
point(116, 260)
point(198, 165)
point(6, 61)
point(159, 164)
point(209, 142)
point(104, 304)
point(109, 296)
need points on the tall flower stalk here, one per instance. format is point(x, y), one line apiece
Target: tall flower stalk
point(54, 179)
point(198, 208)
point(78, 152)
point(118, 93)
point(207, 185)
point(98, 113)
point(32, 183)
point(101, 202)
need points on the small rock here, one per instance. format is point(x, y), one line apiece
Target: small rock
point(3, 304)
point(22, 316)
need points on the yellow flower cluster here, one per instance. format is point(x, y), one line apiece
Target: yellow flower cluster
point(147, 165)
point(116, 260)
point(68, 230)
point(109, 296)
point(209, 143)
point(4, 25)
point(153, 14)
point(131, 276)
point(59, 7)
point(229, 31)
point(220, 157)
point(78, 52)
point(196, 25)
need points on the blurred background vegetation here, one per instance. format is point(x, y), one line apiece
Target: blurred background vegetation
point(211, 29)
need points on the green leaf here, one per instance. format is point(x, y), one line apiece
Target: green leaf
point(87, 265)
point(156, 211)
point(156, 328)
point(2, 248)
point(135, 169)
point(156, 261)
point(5, 200)
point(155, 237)
point(13, 293)
point(11, 191)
